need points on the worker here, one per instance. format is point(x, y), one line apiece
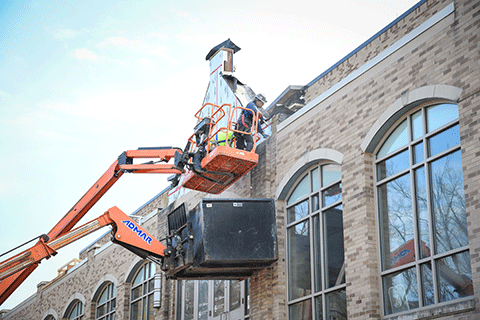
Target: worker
point(220, 139)
point(244, 123)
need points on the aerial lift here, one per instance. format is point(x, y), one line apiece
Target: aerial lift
point(200, 166)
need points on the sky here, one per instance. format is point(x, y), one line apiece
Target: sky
point(83, 81)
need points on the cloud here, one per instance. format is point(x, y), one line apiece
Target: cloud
point(137, 46)
point(4, 94)
point(64, 34)
point(85, 54)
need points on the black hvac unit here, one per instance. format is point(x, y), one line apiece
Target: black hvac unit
point(222, 239)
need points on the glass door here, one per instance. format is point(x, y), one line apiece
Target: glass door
point(212, 300)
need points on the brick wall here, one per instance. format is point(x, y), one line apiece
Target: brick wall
point(447, 53)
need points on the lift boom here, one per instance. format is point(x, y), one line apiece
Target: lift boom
point(202, 166)
point(16, 269)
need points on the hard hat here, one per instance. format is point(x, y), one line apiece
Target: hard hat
point(261, 97)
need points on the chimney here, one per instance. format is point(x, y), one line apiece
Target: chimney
point(221, 56)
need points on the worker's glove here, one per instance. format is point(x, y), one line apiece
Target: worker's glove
point(265, 135)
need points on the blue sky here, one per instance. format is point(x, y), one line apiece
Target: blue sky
point(82, 81)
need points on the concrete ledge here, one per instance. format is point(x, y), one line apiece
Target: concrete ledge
point(307, 160)
point(439, 311)
point(403, 105)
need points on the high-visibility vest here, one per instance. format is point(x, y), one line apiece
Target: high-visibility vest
point(221, 137)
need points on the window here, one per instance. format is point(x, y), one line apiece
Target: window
point(212, 299)
point(106, 303)
point(141, 297)
point(315, 249)
point(425, 256)
point(76, 312)
point(50, 317)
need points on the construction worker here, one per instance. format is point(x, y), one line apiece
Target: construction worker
point(244, 123)
point(220, 139)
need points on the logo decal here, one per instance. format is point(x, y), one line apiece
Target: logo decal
point(138, 231)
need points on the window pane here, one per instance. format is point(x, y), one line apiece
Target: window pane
point(136, 292)
point(448, 199)
point(400, 291)
point(301, 310)
point(444, 140)
point(138, 278)
point(300, 191)
point(393, 165)
point(151, 310)
point(315, 203)
point(202, 299)
point(440, 115)
point(297, 212)
point(336, 305)
point(235, 295)
point(397, 139)
point(299, 261)
point(219, 297)
point(188, 308)
point(318, 308)
point(315, 180)
point(101, 310)
point(427, 284)
point(151, 284)
point(330, 174)
point(396, 220)
point(317, 247)
point(135, 311)
point(152, 268)
point(332, 194)
point(103, 296)
point(334, 260)
point(418, 154)
point(422, 212)
point(417, 126)
point(454, 276)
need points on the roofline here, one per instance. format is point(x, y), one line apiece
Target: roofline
point(376, 35)
point(289, 88)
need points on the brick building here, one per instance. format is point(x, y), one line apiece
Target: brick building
point(373, 169)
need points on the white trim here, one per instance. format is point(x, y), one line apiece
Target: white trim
point(401, 106)
point(133, 268)
point(50, 312)
point(370, 64)
point(75, 296)
point(299, 167)
point(100, 284)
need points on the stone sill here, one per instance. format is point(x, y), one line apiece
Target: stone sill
point(437, 311)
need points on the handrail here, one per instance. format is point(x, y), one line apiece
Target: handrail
point(218, 113)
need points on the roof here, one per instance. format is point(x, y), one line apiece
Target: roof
point(225, 44)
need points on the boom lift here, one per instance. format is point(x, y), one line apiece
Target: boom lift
point(200, 166)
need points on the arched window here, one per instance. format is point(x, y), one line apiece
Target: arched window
point(142, 293)
point(106, 303)
point(421, 205)
point(75, 311)
point(315, 245)
point(49, 317)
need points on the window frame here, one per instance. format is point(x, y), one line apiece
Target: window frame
point(144, 294)
point(73, 306)
point(319, 212)
point(413, 166)
point(107, 286)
